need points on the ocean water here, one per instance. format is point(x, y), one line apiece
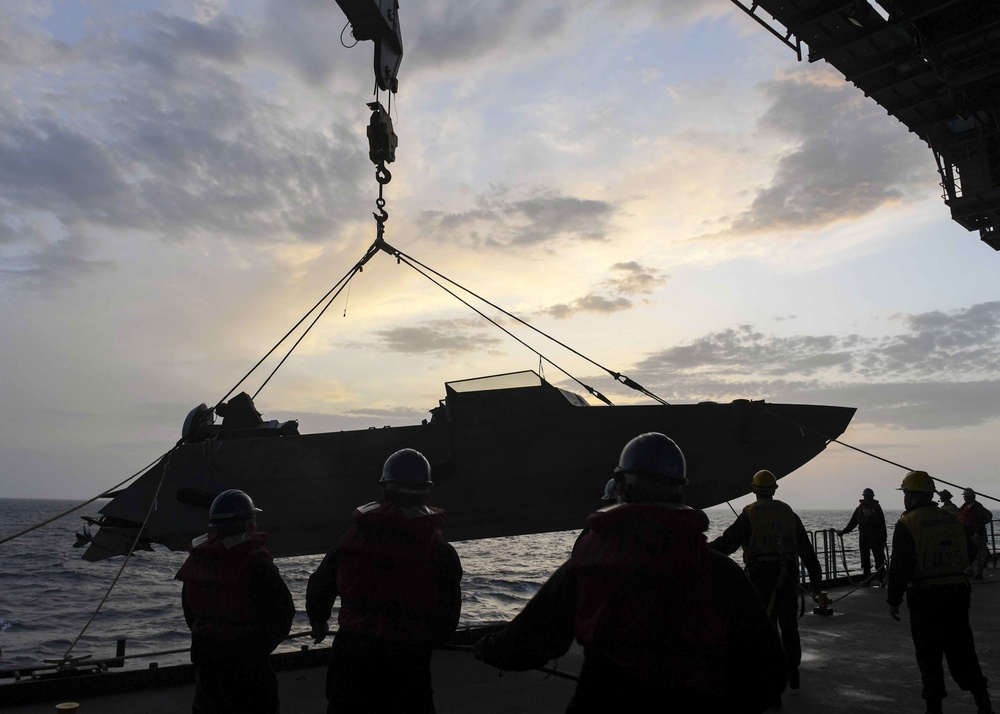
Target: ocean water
point(48, 593)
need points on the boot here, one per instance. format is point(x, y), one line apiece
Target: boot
point(983, 704)
point(934, 706)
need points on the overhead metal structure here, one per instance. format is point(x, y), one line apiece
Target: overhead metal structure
point(932, 64)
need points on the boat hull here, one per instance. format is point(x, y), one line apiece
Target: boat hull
point(505, 461)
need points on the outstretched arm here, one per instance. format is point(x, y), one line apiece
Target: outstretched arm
point(541, 632)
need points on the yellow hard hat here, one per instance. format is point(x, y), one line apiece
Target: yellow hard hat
point(918, 482)
point(764, 480)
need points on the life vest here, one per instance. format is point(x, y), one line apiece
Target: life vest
point(940, 547)
point(644, 597)
point(217, 585)
point(974, 516)
point(386, 573)
point(772, 533)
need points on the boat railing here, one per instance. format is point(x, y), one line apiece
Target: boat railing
point(991, 539)
point(832, 555)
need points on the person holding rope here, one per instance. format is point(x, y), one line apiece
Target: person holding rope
point(660, 616)
point(872, 535)
point(238, 608)
point(930, 551)
point(773, 539)
point(399, 585)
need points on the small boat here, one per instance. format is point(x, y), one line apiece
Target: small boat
point(510, 454)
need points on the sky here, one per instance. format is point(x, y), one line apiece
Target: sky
point(663, 187)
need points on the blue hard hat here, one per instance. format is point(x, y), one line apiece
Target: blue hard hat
point(408, 470)
point(654, 455)
point(231, 506)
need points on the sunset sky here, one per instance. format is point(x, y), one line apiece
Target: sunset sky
point(663, 187)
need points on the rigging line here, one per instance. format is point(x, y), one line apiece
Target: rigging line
point(356, 270)
point(77, 507)
point(830, 438)
point(618, 377)
point(496, 324)
point(350, 273)
point(128, 556)
point(868, 453)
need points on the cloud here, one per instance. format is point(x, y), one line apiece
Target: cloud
point(52, 266)
point(635, 279)
point(20, 46)
point(589, 303)
point(845, 161)
point(155, 130)
point(456, 33)
point(446, 337)
point(523, 219)
point(943, 371)
point(631, 279)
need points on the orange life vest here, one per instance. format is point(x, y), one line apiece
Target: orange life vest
point(644, 596)
point(386, 573)
point(217, 591)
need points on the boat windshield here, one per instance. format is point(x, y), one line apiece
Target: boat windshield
point(511, 380)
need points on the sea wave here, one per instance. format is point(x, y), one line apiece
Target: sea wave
point(50, 592)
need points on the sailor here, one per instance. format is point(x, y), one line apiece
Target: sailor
point(610, 490)
point(975, 518)
point(929, 554)
point(773, 539)
point(946, 503)
point(238, 608)
point(400, 596)
point(661, 617)
point(872, 536)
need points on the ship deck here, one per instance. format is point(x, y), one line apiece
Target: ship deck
point(857, 660)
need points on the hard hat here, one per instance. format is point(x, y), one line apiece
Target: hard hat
point(231, 506)
point(764, 480)
point(408, 470)
point(653, 454)
point(945, 494)
point(969, 492)
point(868, 493)
point(918, 482)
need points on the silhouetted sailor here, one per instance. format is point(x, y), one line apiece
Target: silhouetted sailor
point(975, 518)
point(400, 595)
point(773, 539)
point(930, 550)
point(238, 608)
point(872, 536)
point(666, 624)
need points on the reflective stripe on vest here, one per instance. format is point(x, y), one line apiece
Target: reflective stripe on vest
point(940, 547)
point(772, 532)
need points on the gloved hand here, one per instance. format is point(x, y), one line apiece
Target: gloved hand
point(894, 612)
point(840, 533)
point(320, 629)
